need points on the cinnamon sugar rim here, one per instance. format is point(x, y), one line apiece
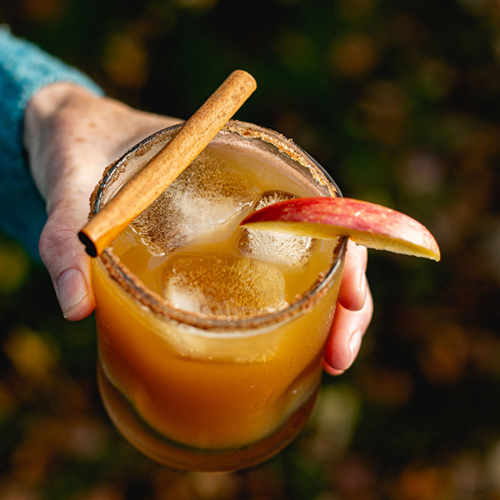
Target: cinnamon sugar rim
point(134, 287)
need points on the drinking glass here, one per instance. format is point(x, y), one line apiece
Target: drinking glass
point(206, 393)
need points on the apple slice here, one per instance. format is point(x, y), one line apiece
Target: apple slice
point(368, 224)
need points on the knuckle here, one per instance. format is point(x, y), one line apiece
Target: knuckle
point(55, 242)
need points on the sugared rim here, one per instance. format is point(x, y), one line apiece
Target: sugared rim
point(158, 305)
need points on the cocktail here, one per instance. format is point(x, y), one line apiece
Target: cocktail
point(211, 335)
point(214, 303)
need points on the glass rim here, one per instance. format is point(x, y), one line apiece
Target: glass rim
point(134, 287)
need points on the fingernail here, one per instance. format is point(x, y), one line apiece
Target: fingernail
point(71, 289)
point(355, 344)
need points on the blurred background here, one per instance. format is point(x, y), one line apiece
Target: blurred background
point(399, 101)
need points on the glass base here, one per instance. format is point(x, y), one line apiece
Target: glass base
point(179, 456)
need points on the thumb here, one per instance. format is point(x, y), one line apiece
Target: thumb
point(65, 257)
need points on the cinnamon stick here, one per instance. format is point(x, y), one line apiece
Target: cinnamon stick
point(147, 185)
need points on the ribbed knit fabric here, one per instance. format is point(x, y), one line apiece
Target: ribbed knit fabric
point(24, 69)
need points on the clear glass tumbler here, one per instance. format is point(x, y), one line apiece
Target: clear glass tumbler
point(206, 393)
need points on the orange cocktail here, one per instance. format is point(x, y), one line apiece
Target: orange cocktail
point(211, 335)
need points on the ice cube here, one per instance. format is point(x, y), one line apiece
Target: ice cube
point(209, 193)
point(285, 249)
point(222, 285)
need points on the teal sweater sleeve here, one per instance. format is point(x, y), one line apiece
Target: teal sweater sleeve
point(24, 69)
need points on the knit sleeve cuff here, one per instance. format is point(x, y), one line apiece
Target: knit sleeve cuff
point(24, 69)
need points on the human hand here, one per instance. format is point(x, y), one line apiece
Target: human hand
point(71, 135)
point(353, 314)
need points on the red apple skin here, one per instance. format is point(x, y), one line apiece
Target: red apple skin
point(368, 224)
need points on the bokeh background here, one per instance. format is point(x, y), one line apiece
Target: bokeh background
point(399, 100)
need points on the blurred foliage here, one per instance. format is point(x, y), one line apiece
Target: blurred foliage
point(399, 101)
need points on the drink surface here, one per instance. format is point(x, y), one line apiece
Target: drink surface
point(189, 248)
point(211, 390)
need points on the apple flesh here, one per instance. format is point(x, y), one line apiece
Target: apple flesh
point(368, 224)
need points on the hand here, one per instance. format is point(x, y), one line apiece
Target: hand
point(71, 135)
point(353, 314)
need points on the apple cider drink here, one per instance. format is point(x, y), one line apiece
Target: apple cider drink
point(211, 335)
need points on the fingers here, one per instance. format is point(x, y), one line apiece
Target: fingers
point(353, 313)
point(353, 288)
point(347, 334)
